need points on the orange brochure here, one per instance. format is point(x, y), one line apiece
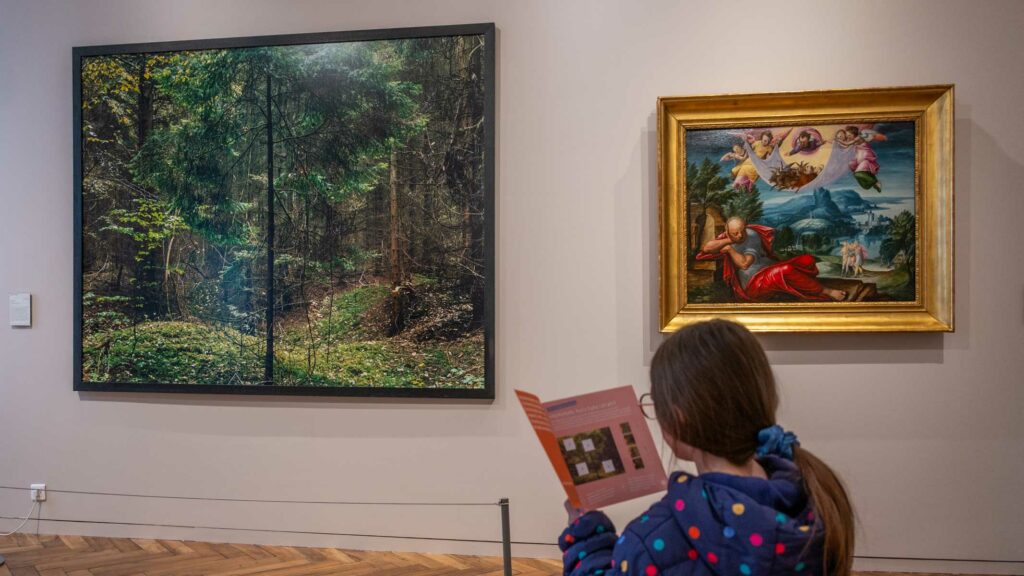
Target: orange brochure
point(599, 445)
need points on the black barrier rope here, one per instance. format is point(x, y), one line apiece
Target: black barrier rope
point(256, 500)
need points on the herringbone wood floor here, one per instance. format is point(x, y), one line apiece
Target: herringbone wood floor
point(29, 555)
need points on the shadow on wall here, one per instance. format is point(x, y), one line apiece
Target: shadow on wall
point(874, 348)
point(304, 416)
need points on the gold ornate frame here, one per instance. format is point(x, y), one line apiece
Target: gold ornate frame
point(929, 107)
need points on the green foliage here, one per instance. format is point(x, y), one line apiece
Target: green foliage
point(173, 352)
point(816, 243)
point(388, 364)
point(345, 344)
point(736, 202)
point(347, 319)
point(704, 184)
point(901, 236)
point(707, 187)
point(784, 239)
point(148, 223)
point(103, 313)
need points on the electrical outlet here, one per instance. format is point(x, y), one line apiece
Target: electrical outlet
point(38, 492)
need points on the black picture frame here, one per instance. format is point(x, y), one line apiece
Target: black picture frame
point(487, 30)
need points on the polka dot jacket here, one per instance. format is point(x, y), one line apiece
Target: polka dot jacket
point(710, 524)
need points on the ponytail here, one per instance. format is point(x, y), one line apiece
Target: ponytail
point(832, 509)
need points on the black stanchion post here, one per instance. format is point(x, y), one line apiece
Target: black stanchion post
point(506, 537)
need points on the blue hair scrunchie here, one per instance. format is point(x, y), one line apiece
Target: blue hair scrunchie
point(775, 440)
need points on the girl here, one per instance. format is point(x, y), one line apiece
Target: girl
point(760, 505)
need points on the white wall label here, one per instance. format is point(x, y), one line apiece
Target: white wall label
point(588, 445)
point(582, 469)
point(608, 466)
point(569, 444)
point(21, 310)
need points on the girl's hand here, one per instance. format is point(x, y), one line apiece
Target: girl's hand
point(574, 512)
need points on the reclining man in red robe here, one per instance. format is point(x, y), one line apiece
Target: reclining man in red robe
point(754, 272)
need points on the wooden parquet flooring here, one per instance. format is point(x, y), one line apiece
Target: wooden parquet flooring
point(30, 555)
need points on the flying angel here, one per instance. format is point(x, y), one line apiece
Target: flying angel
point(864, 163)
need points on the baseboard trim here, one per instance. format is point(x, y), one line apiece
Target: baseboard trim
point(947, 566)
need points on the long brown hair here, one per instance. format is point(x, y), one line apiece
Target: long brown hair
point(713, 389)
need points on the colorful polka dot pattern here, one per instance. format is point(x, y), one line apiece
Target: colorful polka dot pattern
point(752, 531)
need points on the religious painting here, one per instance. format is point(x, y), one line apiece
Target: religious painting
point(814, 211)
point(305, 214)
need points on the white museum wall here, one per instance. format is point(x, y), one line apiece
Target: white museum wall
point(925, 428)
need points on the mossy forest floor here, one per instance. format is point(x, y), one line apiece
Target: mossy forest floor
point(340, 340)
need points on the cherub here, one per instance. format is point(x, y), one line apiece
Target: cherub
point(744, 173)
point(765, 143)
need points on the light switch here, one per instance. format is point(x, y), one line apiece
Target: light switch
point(21, 310)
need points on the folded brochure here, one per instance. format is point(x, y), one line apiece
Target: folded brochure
point(599, 445)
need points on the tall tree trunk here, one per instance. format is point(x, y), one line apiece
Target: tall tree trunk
point(144, 101)
point(149, 280)
point(373, 227)
point(400, 293)
point(397, 270)
point(268, 365)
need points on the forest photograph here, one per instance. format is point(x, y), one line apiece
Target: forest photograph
point(305, 215)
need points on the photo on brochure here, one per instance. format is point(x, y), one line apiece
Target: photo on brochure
point(591, 456)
